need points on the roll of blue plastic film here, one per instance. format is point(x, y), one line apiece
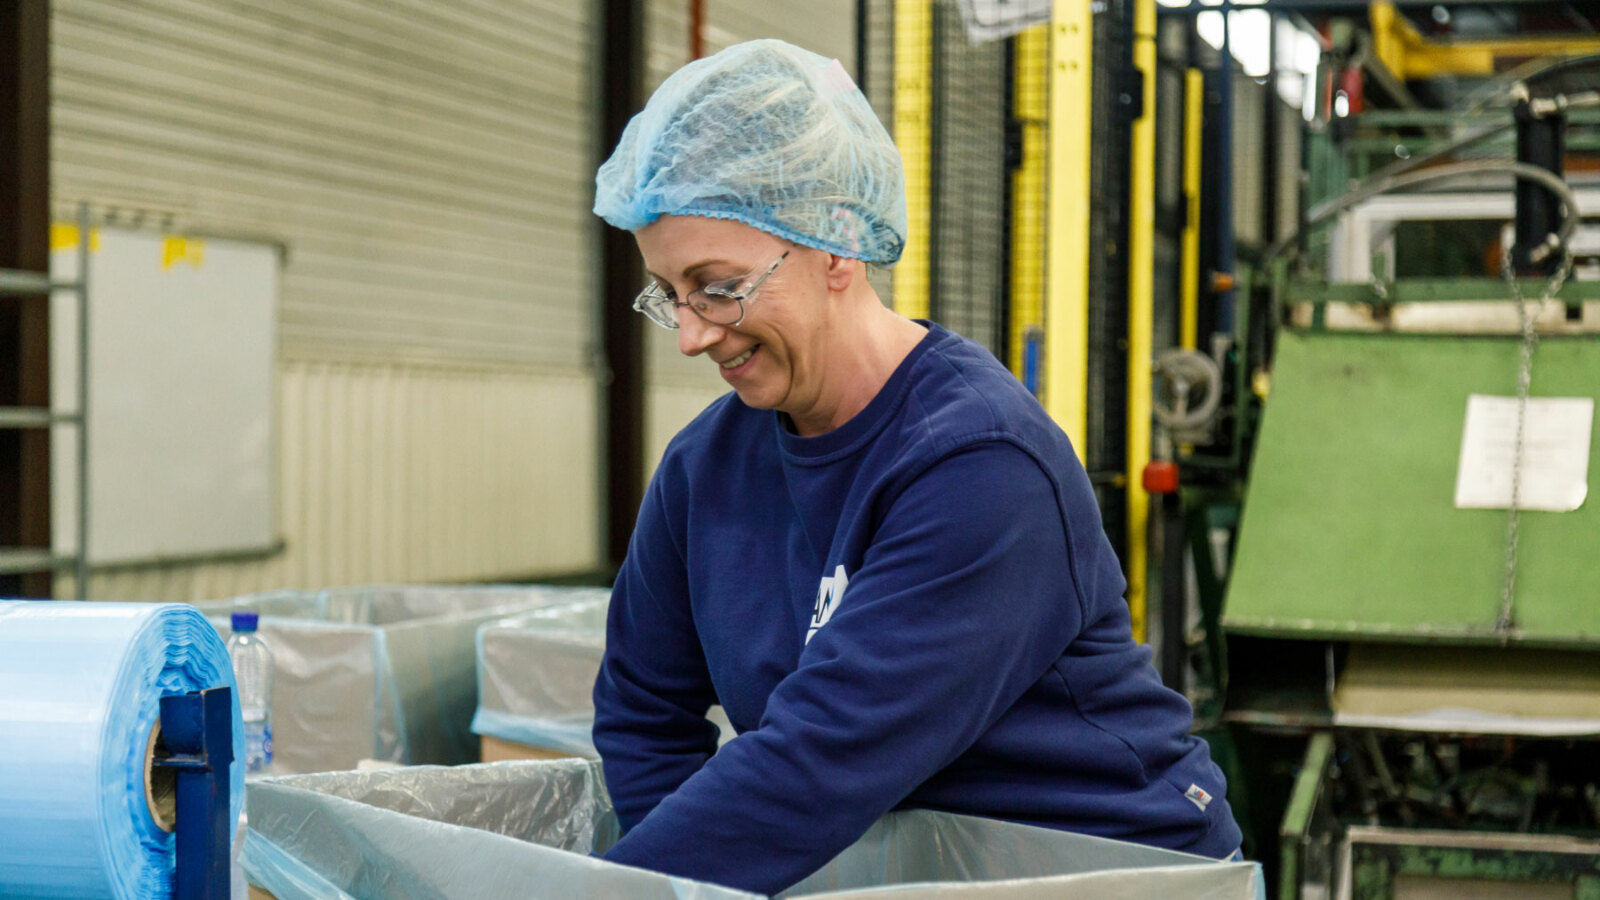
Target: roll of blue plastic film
point(80, 692)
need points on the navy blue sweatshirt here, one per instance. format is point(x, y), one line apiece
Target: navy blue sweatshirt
point(918, 609)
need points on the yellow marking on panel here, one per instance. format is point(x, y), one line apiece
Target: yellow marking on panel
point(913, 100)
point(65, 237)
point(186, 250)
point(1066, 357)
point(1141, 313)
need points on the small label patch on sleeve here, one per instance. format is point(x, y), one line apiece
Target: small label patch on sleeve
point(1198, 796)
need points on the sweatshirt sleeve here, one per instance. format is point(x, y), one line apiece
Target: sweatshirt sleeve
point(964, 599)
point(653, 689)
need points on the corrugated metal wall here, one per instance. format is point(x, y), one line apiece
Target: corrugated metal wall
point(428, 164)
point(428, 167)
point(414, 473)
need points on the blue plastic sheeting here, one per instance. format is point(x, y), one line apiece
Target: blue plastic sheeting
point(518, 830)
point(573, 737)
point(386, 673)
point(80, 692)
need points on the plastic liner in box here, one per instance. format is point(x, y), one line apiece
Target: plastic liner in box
point(536, 673)
point(524, 829)
point(386, 673)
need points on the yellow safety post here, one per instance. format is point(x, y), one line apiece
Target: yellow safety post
point(1031, 107)
point(1141, 312)
point(1066, 341)
point(1194, 106)
point(913, 104)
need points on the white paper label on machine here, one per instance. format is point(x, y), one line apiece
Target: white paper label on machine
point(1555, 453)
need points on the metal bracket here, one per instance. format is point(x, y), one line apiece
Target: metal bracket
point(197, 743)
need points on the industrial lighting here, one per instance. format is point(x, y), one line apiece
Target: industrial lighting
point(1249, 37)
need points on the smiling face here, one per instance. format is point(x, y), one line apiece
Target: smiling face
point(774, 358)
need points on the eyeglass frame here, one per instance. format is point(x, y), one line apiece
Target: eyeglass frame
point(654, 295)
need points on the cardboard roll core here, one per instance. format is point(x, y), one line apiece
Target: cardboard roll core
point(160, 784)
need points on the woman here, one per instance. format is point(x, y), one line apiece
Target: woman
point(877, 553)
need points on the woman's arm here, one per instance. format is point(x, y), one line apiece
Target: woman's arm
point(964, 600)
point(653, 690)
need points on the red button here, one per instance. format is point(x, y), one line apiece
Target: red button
point(1160, 477)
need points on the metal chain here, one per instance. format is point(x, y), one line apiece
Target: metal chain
point(1525, 324)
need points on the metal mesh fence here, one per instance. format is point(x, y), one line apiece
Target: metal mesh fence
point(968, 190)
point(971, 123)
point(1106, 448)
point(952, 137)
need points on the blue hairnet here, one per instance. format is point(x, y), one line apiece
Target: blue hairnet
point(770, 135)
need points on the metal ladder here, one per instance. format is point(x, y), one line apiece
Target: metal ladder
point(14, 283)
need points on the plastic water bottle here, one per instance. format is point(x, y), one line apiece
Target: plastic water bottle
point(252, 673)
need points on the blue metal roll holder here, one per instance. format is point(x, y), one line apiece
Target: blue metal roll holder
point(197, 740)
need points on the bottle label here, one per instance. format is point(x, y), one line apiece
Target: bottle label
point(257, 746)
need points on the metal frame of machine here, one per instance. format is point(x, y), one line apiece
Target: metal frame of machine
point(196, 749)
point(1373, 808)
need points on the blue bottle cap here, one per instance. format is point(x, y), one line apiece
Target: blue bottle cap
point(245, 621)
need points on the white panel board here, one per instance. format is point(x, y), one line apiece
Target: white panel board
point(181, 362)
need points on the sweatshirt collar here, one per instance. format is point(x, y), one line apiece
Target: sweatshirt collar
point(864, 425)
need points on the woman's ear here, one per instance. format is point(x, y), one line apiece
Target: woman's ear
point(841, 272)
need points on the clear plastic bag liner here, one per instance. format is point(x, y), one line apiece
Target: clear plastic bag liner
point(511, 830)
point(525, 829)
point(1201, 881)
point(536, 673)
point(386, 672)
point(281, 875)
point(80, 692)
point(922, 853)
point(571, 734)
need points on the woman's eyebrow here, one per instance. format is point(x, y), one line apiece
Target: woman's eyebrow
point(692, 269)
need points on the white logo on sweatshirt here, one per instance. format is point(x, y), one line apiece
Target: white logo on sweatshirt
point(829, 594)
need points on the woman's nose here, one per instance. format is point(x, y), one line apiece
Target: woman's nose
point(694, 333)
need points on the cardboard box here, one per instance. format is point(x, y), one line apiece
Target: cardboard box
point(497, 750)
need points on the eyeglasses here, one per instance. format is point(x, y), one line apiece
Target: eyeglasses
point(722, 303)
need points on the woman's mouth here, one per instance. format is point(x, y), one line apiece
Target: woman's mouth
point(732, 366)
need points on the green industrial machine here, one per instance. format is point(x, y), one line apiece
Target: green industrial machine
point(1452, 729)
point(1402, 678)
